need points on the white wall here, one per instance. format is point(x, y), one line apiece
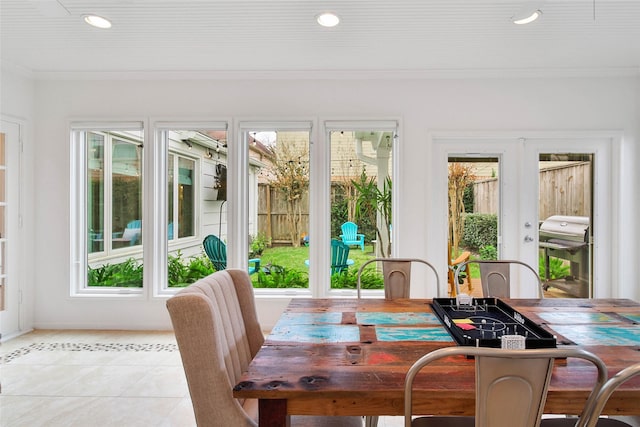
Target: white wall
point(609, 103)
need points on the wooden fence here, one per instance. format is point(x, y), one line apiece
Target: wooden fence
point(565, 190)
point(272, 214)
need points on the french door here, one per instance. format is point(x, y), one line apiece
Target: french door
point(11, 308)
point(526, 181)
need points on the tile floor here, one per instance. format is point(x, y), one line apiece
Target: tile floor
point(97, 378)
point(100, 379)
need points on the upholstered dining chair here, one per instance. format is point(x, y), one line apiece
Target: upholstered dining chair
point(495, 276)
point(218, 334)
point(511, 385)
point(397, 275)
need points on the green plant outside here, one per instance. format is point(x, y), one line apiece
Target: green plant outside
point(258, 244)
point(480, 230)
point(126, 274)
point(183, 272)
point(282, 267)
point(180, 272)
point(557, 268)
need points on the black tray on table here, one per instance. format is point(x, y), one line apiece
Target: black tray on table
point(488, 320)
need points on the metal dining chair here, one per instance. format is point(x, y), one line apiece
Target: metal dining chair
point(591, 416)
point(607, 390)
point(495, 277)
point(511, 385)
point(397, 275)
point(397, 284)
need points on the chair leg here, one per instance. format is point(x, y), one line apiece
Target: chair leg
point(371, 421)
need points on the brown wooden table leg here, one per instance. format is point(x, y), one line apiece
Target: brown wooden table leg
point(272, 413)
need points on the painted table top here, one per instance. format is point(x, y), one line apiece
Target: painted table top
point(349, 356)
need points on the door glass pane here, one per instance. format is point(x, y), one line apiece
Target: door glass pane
point(474, 195)
point(566, 197)
point(361, 203)
point(278, 208)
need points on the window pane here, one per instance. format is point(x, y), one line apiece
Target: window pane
point(196, 178)
point(114, 207)
point(279, 208)
point(186, 199)
point(565, 234)
point(170, 198)
point(474, 197)
point(127, 194)
point(95, 192)
point(361, 184)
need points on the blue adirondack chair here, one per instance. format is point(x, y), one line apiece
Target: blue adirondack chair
point(350, 235)
point(216, 250)
point(340, 261)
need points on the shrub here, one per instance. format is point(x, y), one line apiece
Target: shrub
point(184, 272)
point(259, 243)
point(480, 230)
point(129, 273)
point(276, 276)
point(124, 274)
point(370, 279)
point(488, 252)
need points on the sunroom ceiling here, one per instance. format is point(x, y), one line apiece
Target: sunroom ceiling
point(412, 36)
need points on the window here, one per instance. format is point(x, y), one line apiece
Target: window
point(361, 194)
point(280, 212)
point(196, 193)
point(278, 203)
point(108, 201)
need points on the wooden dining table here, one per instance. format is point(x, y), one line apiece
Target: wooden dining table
point(350, 357)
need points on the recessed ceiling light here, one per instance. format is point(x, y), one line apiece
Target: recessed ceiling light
point(328, 19)
point(526, 18)
point(97, 21)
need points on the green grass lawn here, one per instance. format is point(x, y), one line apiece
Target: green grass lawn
point(286, 268)
point(287, 256)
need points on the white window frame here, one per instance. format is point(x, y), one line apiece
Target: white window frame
point(237, 254)
point(78, 219)
point(157, 251)
point(322, 251)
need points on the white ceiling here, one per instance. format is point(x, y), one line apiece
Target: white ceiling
point(413, 36)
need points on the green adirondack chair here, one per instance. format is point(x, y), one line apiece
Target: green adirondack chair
point(340, 261)
point(216, 250)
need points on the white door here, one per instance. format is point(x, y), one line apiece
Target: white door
point(10, 286)
point(515, 163)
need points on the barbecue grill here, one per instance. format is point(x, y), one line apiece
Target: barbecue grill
point(567, 237)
